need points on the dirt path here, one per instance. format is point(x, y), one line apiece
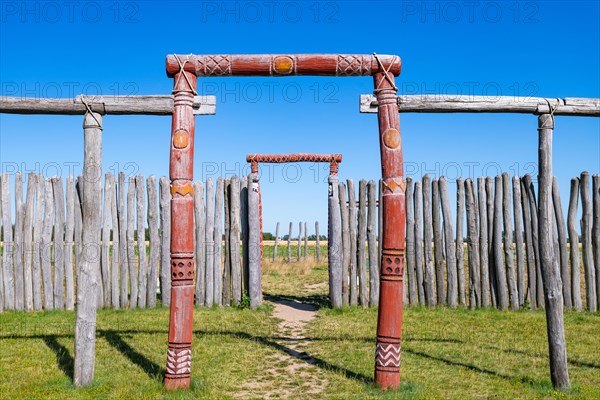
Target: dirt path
point(290, 363)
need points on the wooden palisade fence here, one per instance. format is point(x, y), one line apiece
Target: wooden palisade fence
point(42, 251)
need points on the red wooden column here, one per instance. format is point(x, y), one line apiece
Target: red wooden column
point(179, 353)
point(389, 322)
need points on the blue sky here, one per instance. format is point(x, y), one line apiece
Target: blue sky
point(543, 48)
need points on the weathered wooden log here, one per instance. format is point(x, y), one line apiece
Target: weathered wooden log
point(154, 256)
point(389, 322)
point(418, 202)
point(557, 345)
point(226, 295)
point(131, 259)
point(105, 248)
point(37, 238)
point(428, 241)
point(334, 237)
point(380, 221)
point(350, 252)
point(438, 255)
point(487, 104)
point(484, 265)
point(210, 244)
point(372, 244)
point(18, 243)
point(362, 237)
point(574, 244)
point(141, 241)
point(516, 190)
point(452, 271)
point(305, 240)
point(123, 244)
point(277, 242)
point(586, 242)
point(244, 228)
point(181, 173)
point(500, 273)
point(562, 245)
point(255, 279)
point(78, 226)
point(46, 247)
point(596, 232)
point(410, 242)
point(289, 244)
point(509, 251)
point(234, 242)
point(529, 251)
point(317, 242)
point(106, 105)
point(348, 285)
point(116, 244)
point(28, 242)
point(460, 249)
point(87, 283)
point(535, 239)
point(200, 236)
point(299, 243)
point(475, 277)
point(1, 258)
point(218, 239)
point(490, 204)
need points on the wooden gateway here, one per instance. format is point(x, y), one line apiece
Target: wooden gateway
point(334, 245)
point(185, 69)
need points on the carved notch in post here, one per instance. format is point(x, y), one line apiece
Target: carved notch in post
point(389, 322)
point(179, 353)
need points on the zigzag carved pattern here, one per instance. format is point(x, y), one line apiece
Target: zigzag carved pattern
point(179, 361)
point(387, 355)
point(217, 65)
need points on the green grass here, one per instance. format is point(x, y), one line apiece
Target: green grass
point(453, 354)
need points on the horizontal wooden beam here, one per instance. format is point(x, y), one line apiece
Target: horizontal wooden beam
point(297, 157)
point(283, 64)
point(485, 104)
point(114, 105)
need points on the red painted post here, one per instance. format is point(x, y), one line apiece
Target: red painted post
point(179, 353)
point(389, 322)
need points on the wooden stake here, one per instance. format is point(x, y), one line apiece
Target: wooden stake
point(410, 242)
point(362, 236)
point(153, 261)
point(334, 237)
point(557, 345)
point(116, 244)
point(277, 242)
point(105, 249)
point(200, 236)
point(438, 246)
point(516, 189)
point(372, 244)
point(18, 243)
point(210, 244)
point(255, 277)
point(460, 249)
point(124, 245)
point(350, 251)
point(418, 200)
point(131, 258)
point(586, 242)
point(484, 251)
point(27, 242)
point(347, 281)
point(475, 278)
point(508, 244)
point(218, 254)
point(562, 245)
point(46, 248)
point(234, 242)
point(574, 244)
point(501, 296)
point(428, 240)
point(449, 244)
point(37, 242)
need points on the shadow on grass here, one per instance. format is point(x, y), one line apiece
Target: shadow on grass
point(317, 300)
point(302, 356)
point(63, 357)
point(153, 370)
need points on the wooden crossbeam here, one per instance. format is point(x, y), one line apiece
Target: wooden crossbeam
point(486, 104)
point(114, 105)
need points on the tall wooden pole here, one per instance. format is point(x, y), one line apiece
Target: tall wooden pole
point(389, 322)
point(557, 345)
point(88, 274)
point(179, 353)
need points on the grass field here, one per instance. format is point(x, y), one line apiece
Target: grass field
point(239, 353)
